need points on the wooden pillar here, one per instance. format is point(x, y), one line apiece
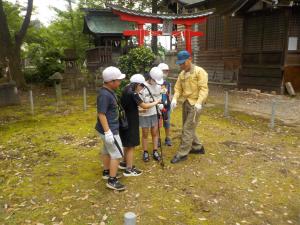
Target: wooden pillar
point(141, 34)
point(188, 38)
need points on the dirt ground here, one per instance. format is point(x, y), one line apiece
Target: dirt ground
point(50, 172)
point(287, 109)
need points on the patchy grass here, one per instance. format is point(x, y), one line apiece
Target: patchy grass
point(50, 171)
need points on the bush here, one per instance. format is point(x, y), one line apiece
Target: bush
point(31, 76)
point(138, 60)
point(46, 66)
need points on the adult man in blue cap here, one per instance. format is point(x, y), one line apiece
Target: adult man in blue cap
point(192, 86)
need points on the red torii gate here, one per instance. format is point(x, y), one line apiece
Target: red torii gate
point(141, 18)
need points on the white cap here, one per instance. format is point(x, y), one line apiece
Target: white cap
point(137, 78)
point(163, 66)
point(157, 75)
point(112, 73)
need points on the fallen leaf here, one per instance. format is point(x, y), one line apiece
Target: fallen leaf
point(104, 217)
point(65, 213)
point(162, 218)
point(85, 197)
point(254, 181)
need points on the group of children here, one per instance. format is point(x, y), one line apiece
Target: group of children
point(145, 104)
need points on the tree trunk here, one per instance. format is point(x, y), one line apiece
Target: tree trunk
point(11, 47)
point(154, 27)
point(15, 68)
point(5, 39)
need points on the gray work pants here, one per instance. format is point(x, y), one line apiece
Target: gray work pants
point(189, 139)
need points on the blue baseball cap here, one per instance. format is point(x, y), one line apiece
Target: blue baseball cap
point(182, 56)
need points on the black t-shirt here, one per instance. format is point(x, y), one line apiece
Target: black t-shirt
point(130, 101)
point(107, 104)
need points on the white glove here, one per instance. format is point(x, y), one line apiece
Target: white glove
point(173, 104)
point(160, 106)
point(198, 107)
point(109, 137)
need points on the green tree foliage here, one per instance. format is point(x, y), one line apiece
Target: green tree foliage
point(42, 44)
point(13, 17)
point(46, 45)
point(138, 60)
point(62, 35)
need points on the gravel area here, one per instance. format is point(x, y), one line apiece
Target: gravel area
point(287, 109)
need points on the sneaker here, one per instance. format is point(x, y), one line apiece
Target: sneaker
point(146, 157)
point(198, 151)
point(133, 172)
point(122, 165)
point(156, 155)
point(105, 175)
point(115, 184)
point(168, 141)
point(177, 159)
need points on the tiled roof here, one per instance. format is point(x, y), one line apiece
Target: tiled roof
point(161, 16)
point(190, 2)
point(104, 22)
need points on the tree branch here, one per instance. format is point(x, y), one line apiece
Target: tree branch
point(21, 34)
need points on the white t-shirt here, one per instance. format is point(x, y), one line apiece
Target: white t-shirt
point(155, 90)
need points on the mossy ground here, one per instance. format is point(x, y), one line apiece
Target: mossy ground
point(50, 171)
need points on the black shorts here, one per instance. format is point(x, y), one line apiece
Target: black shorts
point(131, 136)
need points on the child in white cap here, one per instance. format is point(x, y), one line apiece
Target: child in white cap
point(131, 102)
point(108, 126)
point(149, 118)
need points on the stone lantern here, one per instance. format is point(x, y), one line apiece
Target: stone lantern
point(72, 71)
point(57, 78)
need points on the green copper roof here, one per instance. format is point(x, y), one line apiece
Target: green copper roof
point(105, 23)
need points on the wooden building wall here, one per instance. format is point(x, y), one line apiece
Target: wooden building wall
point(219, 50)
point(251, 48)
point(292, 58)
point(263, 50)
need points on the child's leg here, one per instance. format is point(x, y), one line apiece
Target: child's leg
point(154, 134)
point(145, 131)
point(113, 168)
point(129, 156)
point(106, 161)
point(167, 131)
point(131, 171)
point(167, 125)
